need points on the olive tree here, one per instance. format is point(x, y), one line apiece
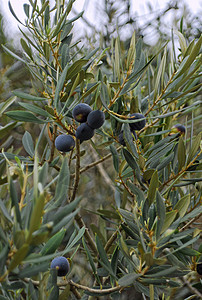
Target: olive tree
point(138, 234)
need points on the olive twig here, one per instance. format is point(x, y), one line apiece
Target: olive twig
point(77, 170)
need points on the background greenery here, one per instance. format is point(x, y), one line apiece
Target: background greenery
point(127, 218)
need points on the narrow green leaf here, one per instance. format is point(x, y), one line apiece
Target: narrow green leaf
point(24, 116)
point(194, 148)
point(78, 237)
point(53, 243)
point(115, 157)
point(189, 59)
point(102, 254)
point(62, 183)
point(117, 59)
point(89, 91)
point(5, 130)
point(18, 257)
point(153, 186)
point(28, 143)
point(131, 52)
point(28, 96)
point(170, 217)
point(160, 73)
point(161, 213)
point(14, 199)
point(26, 48)
point(13, 12)
point(37, 213)
point(35, 109)
point(131, 160)
point(60, 85)
point(182, 205)
point(6, 104)
point(128, 138)
point(181, 154)
point(128, 279)
point(165, 272)
point(182, 41)
point(13, 54)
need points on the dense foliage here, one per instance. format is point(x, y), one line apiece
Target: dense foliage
point(122, 200)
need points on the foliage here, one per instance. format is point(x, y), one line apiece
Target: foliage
point(143, 240)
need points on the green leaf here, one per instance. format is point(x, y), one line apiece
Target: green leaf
point(60, 85)
point(13, 12)
point(170, 217)
point(65, 210)
point(160, 74)
point(5, 212)
point(37, 213)
point(139, 193)
point(153, 186)
point(35, 109)
point(189, 59)
point(182, 205)
point(165, 162)
point(28, 96)
point(131, 160)
point(115, 157)
point(90, 259)
point(89, 91)
point(62, 186)
point(103, 255)
point(78, 237)
point(182, 41)
point(24, 116)
point(128, 138)
point(194, 148)
point(128, 279)
point(28, 143)
point(34, 270)
point(6, 104)
point(53, 243)
point(26, 48)
point(5, 130)
point(181, 154)
point(13, 54)
point(161, 213)
point(131, 52)
point(14, 199)
point(164, 273)
point(18, 257)
point(75, 68)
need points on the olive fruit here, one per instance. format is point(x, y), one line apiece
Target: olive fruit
point(121, 138)
point(96, 119)
point(199, 268)
point(64, 143)
point(84, 132)
point(137, 125)
point(61, 264)
point(80, 112)
point(178, 128)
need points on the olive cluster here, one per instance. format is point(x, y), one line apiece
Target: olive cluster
point(133, 127)
point(89, 119)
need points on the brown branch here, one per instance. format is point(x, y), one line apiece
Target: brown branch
point(182, 171)
point(100, 291)
point(160, 96)
point(53, 143)
point(191, 288)
point(190, 222)
point(87, 235)
point(77, 170)
point(112, 239)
